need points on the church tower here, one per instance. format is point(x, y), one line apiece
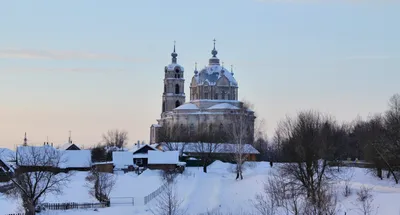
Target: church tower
point(174, 93)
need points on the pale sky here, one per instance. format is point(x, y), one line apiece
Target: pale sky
point(90, 66)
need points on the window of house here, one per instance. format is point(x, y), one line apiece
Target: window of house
point(139, 161)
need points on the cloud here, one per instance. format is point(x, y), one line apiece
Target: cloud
point(64, 55)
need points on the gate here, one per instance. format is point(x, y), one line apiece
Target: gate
point(128, 201)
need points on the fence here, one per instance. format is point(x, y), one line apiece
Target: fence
point(16, 214)
point(122, 201)
point(154, 194)
point(74, 205)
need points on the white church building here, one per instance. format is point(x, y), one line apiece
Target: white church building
point(213, 99)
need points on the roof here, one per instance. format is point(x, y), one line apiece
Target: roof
point(6, 154)
point(49, 156)
point(187, 106)
point(122, 159)
point(159, 157)
point(212, 73)
point(135, 148)
point(172, 66)
point(217, 148)
point(67, 145)
point(38, 156)
point(76, 158)
point(223, 106)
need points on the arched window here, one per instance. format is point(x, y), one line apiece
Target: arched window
point(221, 127)
point(191, 130)
point(163, 107)
point(177, 103)
point(177, 89)
point(223, 95)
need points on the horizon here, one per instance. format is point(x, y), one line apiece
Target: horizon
point(93, 66)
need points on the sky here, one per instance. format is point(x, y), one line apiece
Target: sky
point(95, 65)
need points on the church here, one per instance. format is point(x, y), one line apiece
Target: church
point(213, 104)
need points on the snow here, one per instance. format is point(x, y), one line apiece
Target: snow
point(6, 154)
point(172, 66)
point(159, 157)
point(187, 106)
point(223, 106)
point(216, 190)
point(122, 159)
point(76, 158)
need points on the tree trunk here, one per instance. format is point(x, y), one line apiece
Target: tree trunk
point(28, 206)
point(379, 173)
point(205, 167)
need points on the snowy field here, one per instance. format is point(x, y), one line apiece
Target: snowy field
point(216, 190)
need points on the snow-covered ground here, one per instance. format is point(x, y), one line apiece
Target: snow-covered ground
point(215, 190)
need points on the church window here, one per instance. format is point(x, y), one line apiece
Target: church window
point(177, 89)
point(191, 129)
point(223, 95)
point(177, 103)
point(165, 88)
point(210, 128)
point(177, 70)
point(163, 107)
point(221, 127)
point(216, 96)
point(206, 95)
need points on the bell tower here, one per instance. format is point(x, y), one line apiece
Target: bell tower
point(174, 93)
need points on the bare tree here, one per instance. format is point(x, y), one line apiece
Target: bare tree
point(365, 200)
point(310, 141)
point(209, 138)
point(101, 185)
point(168, 202)
point(37, 175)
point(240, 132)
point(174, 137)
point(115, 139)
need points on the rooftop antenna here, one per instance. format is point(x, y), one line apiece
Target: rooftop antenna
point(69, 138)
point(25, 140)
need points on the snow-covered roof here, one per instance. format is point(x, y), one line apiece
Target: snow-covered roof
point(122, 159)
point(6, 154)
point(156, 125)
point(172, 66)
point(216, 148)
point(159, 157)
point(67, 145)
point(49, 156)
point(38, 156)
point(212, 73)
point(187, 106)
point(138, 147)
point(223, 106)
point(75, 158)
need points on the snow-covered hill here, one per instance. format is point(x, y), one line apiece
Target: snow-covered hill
point(216, 190)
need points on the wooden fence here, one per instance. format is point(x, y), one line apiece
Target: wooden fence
point(74, 205)
point(154, 194)
point(16, 214)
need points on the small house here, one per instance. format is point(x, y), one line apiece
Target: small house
point(140, 155)
point(168, 160)
point(123, 160)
